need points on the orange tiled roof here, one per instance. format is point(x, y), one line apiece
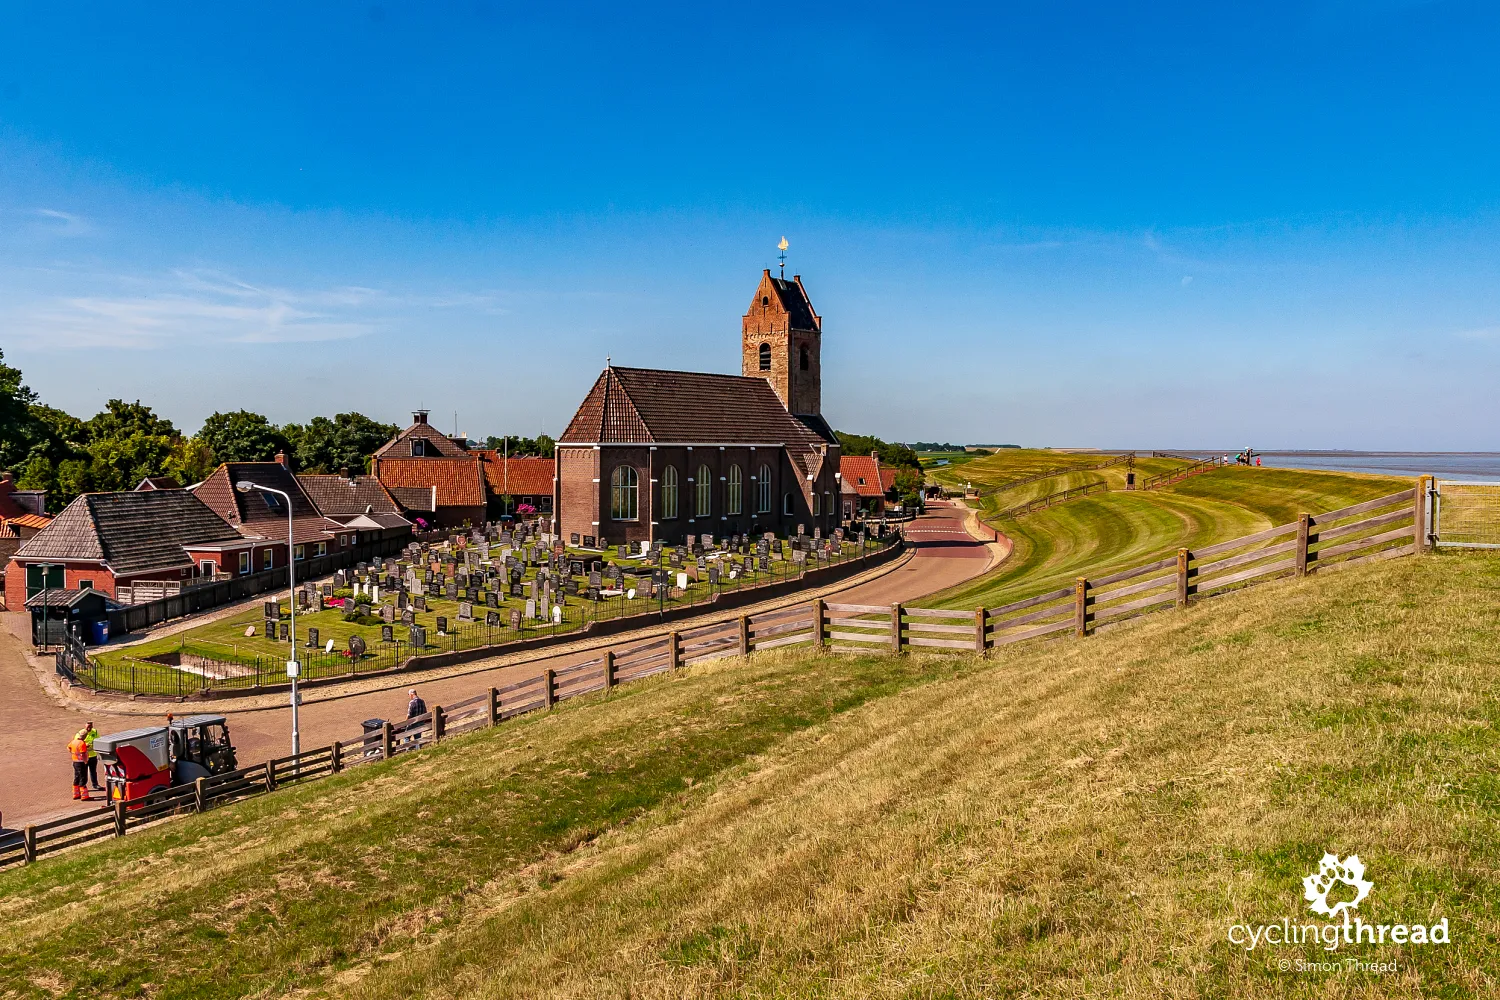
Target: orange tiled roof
point(525, 476)
point(887, 479)
point(37, 521)
point(863, 473)
point(459, 481)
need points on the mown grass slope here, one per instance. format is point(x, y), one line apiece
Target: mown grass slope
point(1080, 817)
point(1104, 532)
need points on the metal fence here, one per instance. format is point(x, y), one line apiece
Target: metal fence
point(205, 666)
point(1465, 514)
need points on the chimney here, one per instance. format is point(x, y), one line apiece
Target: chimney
point(419, 416)
point(344, 473)
point(281, 459)
point(875, 455)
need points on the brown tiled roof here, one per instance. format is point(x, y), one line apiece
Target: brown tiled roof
point(399, 446)
point(131, 532)
point(257, 514)
point(338, 495)
point(412, 497)
point(887, 479)
point(527, 476)
point(459, 481)
point(641, 405)
point(863, 472)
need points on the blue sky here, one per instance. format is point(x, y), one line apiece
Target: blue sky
point(1051, 224)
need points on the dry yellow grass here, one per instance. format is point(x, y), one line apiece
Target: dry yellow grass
point(1079, 818)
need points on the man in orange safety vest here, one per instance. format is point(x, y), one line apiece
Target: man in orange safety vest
point(80, 753)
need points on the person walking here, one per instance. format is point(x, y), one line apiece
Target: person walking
point(79, 751)
point(89, 734)
point(416, 706)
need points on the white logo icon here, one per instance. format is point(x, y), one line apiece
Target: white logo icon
point(1331, 872)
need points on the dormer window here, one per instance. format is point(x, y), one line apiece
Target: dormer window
point(765, 357)
point(418, 448)
point(765, 301)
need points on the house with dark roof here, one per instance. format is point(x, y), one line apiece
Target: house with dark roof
point(653, 454)
point(260, 516)
point(360, 504)
point(111, 542)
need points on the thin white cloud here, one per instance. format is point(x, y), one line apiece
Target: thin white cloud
point(203, 307)
point(1483, 333)
point(62, 223)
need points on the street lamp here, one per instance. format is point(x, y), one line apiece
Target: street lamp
point(293, 669)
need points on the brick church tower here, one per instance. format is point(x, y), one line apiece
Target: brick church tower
point(782, 343)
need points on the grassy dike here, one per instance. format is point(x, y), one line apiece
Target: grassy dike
point(1078, 817)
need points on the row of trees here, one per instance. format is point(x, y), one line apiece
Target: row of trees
point(50, 449)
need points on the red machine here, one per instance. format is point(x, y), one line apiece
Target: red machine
point(139, 761)
point(136, 762)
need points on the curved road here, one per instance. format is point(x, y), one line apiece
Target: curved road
point(35, 729)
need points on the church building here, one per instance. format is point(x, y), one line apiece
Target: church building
point(654, 454)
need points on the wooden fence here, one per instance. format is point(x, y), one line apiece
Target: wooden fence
point(1383, 528)
point(1052, 499)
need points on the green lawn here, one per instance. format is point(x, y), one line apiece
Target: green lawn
point(1104, 532)
point(1083, 817)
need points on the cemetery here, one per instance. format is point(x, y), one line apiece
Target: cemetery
point(500, 584)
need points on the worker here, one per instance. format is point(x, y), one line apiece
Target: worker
point(79, 751)
point(89, 734)
point(416, 706)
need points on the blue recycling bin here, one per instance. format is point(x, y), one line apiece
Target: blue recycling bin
point(99, 632)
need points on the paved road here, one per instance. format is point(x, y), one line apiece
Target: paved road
point(34, 729)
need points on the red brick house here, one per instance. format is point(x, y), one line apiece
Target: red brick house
point(445, 492)
point(110, 541)
point(654, 454)
point(261, 518)
point(528, 480)
point(864, 484)
point(422, 440)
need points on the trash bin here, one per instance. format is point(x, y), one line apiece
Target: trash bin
point(372, 736)
point(98, 632)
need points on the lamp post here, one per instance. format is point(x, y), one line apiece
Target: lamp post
point(293, 668)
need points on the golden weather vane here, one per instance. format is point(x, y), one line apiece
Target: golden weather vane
point(782, 247)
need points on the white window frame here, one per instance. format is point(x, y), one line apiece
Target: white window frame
point(734, 494)
point(703, 505)
point(244, 562)
point(299, 552)
point(321, 549)
point(624, 494)
point(764, 488)
point(268, 559)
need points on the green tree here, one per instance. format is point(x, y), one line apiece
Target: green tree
point(120, 420)
point(541, 446)
point(191, 462)
point(908, 486)
point(241, 436)
point(897, 455)
point(345, 442)
point(17, 426)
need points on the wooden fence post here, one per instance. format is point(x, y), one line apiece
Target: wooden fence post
point(549, 688)
point(1184, 558)
point(28, 844)
point(1082, 601)
point(385, 741)
point(897, 642)
point(1419, 514)
point(336, 758)
point(1304, 525)
point(744, 635)
point(493, 716)
point(819, 632)
point(437, 723)
point(271, 775)
point(609, 669)
point(119, 809)
point(200, 794)
point(981, 625)
point(674, 651)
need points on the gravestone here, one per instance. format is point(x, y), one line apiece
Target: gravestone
point(312, 638)
point(575, 567)
point(570, 586)
point(473, 595)
point(588, 541)
point(491, 599)
point(713, 575)
point(272, 609)
point(356, 646)
point(622, 551)
point(387, 613)
point(465, 611)
point(401, 602)
point(675, 560)
point(515, 618)
point(270, 629)
point(362, 609)
point(419, 602)
point(530, 608)
point(408, 617)
point(593, 593)
point(418, 636)
point(492, 619)
point(595, 580)
point(451, 590)
point(442, 625)
point(328, 588)
point(285, 634)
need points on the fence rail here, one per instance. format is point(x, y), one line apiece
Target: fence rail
point(1042, 503)
point(1390, 526)
point(1128, 456)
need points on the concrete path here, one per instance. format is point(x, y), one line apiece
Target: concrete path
point(35, 724)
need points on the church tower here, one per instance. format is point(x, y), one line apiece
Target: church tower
point(782, 341)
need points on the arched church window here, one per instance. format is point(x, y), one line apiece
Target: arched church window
point(623, 484)
point(765, 357)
